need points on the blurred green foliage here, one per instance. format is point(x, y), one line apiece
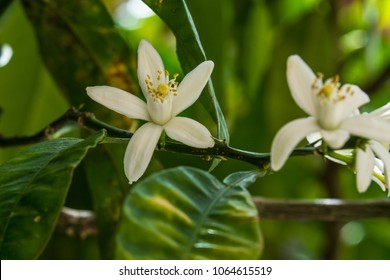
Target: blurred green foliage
point(249, 42)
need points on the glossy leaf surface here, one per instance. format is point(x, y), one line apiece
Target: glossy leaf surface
point(33, 188)
point(186, 213)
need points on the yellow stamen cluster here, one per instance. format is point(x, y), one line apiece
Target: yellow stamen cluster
point(163, 89)
point(331, 89)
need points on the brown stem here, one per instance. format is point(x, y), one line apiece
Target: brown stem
point(332, 229)
point(328, 210)
point(82, 223)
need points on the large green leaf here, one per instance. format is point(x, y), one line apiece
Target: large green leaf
point(33, 188)
point(190, 51)
point(186, 213)
point(80, 45)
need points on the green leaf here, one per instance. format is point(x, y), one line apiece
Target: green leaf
point(108, 186)
point(186, 213)
point(33, 188)
point(80, 46)
point(190, 51)
point(244, 179)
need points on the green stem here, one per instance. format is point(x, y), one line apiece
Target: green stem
point(222, 150)
point(117, 135)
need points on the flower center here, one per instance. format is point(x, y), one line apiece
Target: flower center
point(327, 89)
point(330, 92)
point(329, 97)
point(164, 88)
point(330, 89)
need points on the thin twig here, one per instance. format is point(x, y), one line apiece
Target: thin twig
point(222, 150)
point(87, 120)
point(69, 119)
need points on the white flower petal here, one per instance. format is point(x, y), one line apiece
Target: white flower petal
point(119, 101)
point(140, 150)
point(335, 138)
point(314, 138)
point(384, 155)
point(383, 112)
point(160, 111)
point(288, 137)
point(367, 126)
point(379, 167)
point(365, 161)
point(380, 183)
point(300, 79)
point(149, 62)
point(189, 132)
point(336, 160)
point(191, 87)
point(355, 98)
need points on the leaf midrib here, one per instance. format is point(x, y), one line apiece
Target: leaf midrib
point(204, 216)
